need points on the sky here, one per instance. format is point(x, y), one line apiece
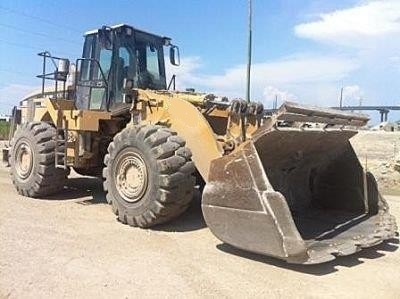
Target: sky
point(303, 50)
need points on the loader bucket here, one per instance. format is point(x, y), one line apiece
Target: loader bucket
point(296, 194)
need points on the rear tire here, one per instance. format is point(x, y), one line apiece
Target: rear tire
point(148, 175)
point(31, 157)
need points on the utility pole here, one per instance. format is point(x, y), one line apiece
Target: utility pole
point(341, 98)
point(249, 52)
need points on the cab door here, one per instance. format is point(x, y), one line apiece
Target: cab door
point(92, 86)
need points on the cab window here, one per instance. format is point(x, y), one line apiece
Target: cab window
point(153, 62)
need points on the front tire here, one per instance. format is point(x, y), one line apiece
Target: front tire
point(32, 166)
point(148, 175)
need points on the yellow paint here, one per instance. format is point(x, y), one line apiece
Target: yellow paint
point(184, 118)
point(181, 111)
point(80, 120)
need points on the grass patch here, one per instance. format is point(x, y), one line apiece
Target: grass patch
point(4, 130)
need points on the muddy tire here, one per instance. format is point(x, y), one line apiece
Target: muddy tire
point(148, 175)
point(31, 158)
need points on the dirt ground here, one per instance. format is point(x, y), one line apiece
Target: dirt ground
point(377, 151)
point(72, 246)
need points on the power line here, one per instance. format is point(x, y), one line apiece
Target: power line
point(37, 33)
point(24, 46)
point(20, 74)
point(15, 72)
point(19, 45)
point(13, 11)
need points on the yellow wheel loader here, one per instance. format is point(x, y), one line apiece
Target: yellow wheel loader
point(286, 184)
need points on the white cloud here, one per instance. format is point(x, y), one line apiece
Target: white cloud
point(295, 69)
point(352, 95)
point(395, 59)
point(371, 28)
point(352, 92)
point(369, 32)
point(10, 95)
point(185, 73)
point(354, 26)
point(272, 93)
point(295, 75)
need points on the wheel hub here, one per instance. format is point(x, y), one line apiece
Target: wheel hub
point(24, 160)
point(131, 179)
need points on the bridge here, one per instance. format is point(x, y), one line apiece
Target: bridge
point(383, 110)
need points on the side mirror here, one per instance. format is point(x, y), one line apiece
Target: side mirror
point(174, 55)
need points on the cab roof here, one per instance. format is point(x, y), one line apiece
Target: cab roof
point(95, 31)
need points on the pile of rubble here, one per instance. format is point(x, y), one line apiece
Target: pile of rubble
point(387, 173)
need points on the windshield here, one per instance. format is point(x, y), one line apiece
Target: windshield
point(141, 59)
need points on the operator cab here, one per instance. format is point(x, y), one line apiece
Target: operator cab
point(118, 57)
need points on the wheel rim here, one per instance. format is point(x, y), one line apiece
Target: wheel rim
point(131, 176)
point(23, 160)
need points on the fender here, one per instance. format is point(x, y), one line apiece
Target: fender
point(184, 118)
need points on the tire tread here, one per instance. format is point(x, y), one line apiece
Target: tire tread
point(175, 169)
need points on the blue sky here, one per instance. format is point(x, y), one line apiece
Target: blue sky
point(303, 50)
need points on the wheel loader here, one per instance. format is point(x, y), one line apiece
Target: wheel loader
point(284, 183)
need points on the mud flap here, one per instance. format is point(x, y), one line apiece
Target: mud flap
point(299, 195)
